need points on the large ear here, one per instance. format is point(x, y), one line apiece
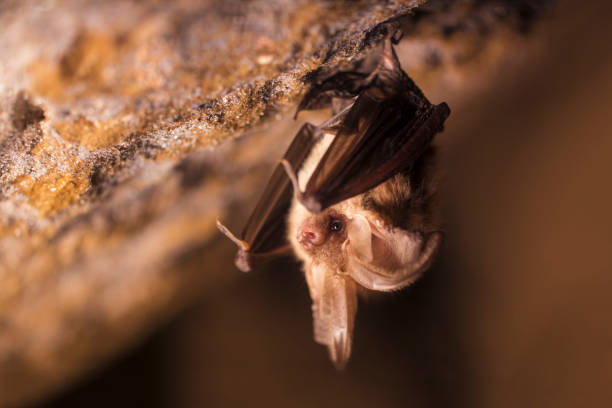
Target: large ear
point(334, 305)
point(385, 259)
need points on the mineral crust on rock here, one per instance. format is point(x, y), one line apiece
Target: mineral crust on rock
point(112, 170)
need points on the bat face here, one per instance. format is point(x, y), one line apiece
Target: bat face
point(352, 198)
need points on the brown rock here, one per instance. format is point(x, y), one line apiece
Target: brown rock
point(112, 170)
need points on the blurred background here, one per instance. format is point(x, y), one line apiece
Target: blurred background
point(514, 312)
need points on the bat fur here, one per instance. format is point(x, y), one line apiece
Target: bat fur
point(359, 198)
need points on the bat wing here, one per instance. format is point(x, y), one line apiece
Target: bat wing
point(264, 235)
point(387, 128)
point(379, 137)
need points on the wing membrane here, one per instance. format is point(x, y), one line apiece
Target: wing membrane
point(263, 236)
point(378, 138)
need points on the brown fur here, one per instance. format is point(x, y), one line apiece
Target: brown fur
point(409, 200)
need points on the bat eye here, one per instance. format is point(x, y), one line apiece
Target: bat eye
point(336, 225)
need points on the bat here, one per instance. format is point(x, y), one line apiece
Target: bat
point(353, 198)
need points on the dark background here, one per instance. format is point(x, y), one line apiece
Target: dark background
point(514, 312)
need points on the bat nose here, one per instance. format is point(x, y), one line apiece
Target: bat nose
point(310, 237)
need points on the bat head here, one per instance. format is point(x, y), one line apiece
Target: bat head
point(347, 246)
point(356, 242)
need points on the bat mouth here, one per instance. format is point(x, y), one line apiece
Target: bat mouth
point(309, 240)
point(305, 242)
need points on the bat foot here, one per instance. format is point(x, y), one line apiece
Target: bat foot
point(388, 57)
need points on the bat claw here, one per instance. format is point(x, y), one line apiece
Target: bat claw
point(311, 203)
point(396, 35)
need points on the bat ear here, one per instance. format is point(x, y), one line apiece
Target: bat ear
point(334, 305)
point(385, 259)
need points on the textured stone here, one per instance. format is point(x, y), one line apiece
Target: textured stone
point(112, 170)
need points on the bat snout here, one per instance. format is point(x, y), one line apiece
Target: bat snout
point(310, 236)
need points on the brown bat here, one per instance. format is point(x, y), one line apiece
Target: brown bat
point(353, 198)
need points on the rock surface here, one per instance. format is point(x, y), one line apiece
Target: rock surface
point(112, 170)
